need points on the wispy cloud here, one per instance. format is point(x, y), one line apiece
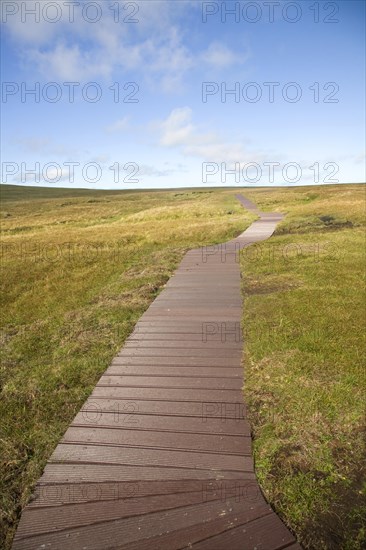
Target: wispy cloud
point(119, 125)
point(220, 56)
point(148, 170)
point(44, 145)
point(178, 130)
point(155, 48)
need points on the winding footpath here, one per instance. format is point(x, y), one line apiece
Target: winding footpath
point(159, 457)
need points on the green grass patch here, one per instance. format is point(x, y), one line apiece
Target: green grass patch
point(304, 313)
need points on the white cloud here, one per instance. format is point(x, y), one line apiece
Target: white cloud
point(100, 159)
point(219, 55)
point(28, 28)
point(156, 48)
point(360, 158)
point(148, 170)
point(43, 175)
point(34, 144)
point(177, 130)
point(168, 58)
point(118, 125)
point(70, 63)
point(44, 145)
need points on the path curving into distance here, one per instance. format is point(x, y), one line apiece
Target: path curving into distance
point(159, 457)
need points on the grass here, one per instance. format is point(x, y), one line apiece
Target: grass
point(78, 269)
point(304, 311)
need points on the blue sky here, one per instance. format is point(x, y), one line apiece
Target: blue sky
point(161, 132)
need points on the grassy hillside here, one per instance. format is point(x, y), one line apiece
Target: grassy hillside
point(305, 362)
point(79, 268)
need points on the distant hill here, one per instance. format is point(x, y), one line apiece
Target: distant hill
point(24, 192)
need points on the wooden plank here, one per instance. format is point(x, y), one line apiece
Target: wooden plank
point(174, 320)
point(100, 473)
point(181, 361)
point(190, 312)
point(220, 412)
point(192, 536)
point(199, 344)
point(99, 536)
point(64, 493)
point(221, 335)
point(184, 325)
point(132, 456)
point(168, 394)
point(203, 352)
point(209, 422)
point(73, 516)
point(165, 370)
point(223, 444)
point(264, 532)
point(187, 382)
point(187, 296)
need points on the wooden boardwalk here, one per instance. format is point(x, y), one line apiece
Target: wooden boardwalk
point(159, 457)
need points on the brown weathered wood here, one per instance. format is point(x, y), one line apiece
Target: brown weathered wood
point(100, 473)
point(125, 531)
point(103, 454)
point(265, 532)
point(121, 410)
point(159, 457)
point(166, 370)
point(174, 382)
point(226, 444)
point(179, 361)
point(168, 394)
point(57, 494)
point(84, 514)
